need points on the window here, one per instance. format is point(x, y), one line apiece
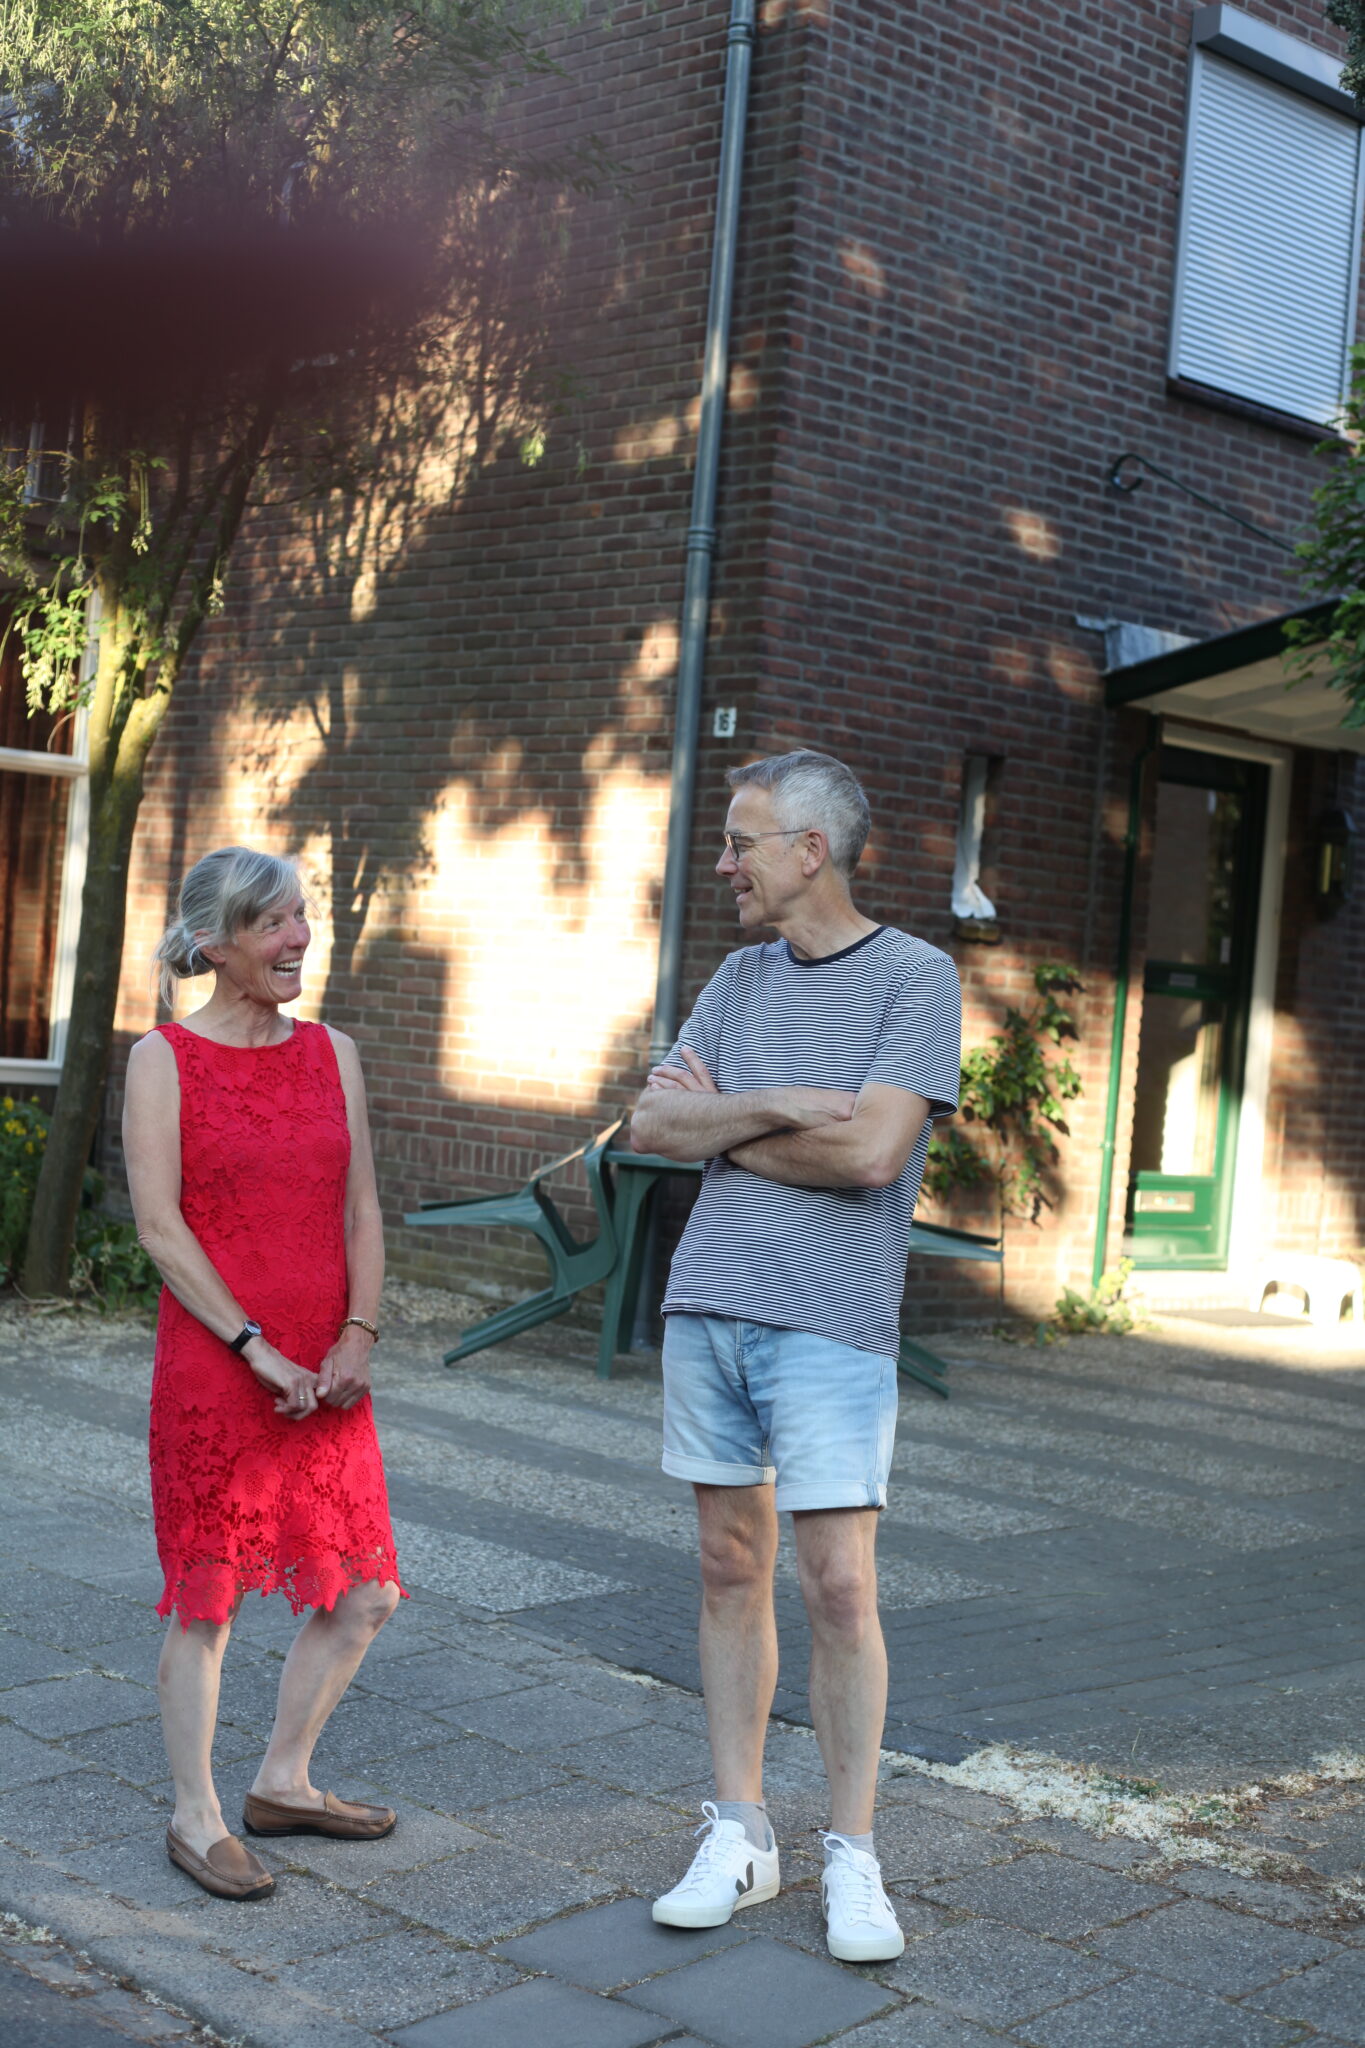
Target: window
point(43, 813)
point(1268, 263)
point(972, 907)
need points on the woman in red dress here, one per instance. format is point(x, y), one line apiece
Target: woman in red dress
point(252, 1178)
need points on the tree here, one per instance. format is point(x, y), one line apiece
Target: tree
point(1349, 15)
point(278, 212)
point(1333, 555)
point(1332, 561)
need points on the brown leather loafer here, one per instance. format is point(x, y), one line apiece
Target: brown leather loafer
point(229, 1870)
point(349, 1820)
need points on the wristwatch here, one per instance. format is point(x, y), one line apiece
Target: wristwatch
point(245, 1335)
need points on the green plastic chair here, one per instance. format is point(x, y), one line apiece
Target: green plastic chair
point(573, 1265)
point(937, 1241)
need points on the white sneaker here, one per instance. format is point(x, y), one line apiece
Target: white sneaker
point(726, 1873)
point(860, 1925)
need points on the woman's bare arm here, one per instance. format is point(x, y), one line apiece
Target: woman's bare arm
point(344, 1377)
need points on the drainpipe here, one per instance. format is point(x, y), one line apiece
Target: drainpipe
point(1131, 842)
point(701, 533)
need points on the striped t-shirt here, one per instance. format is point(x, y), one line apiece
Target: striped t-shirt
point(826, 1260)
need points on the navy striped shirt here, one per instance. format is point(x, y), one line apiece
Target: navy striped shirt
point(826, 1260)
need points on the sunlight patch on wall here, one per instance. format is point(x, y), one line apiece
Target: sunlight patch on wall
point(862, 269)
point(649, 440)
point(1033, 533)
point(553, 950)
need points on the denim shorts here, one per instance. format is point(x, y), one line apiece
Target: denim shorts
point(747, 1403)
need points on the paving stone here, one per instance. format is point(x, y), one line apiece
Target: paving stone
point(24, 1760)
point(64, 1706)
point(981, 1808)
point(1206, 1946)
point(438, 1677)
point(557, 2014)
point(1330, 1996)
point(1001, 1975)
point(69, 1813)
point(762, 1994)
point(25, 1663)
point(1112, 1852)
point(916, 1844)
point(136, 1868)
point(642, 1760)
point(1149, 2011)
point(921, 2026)
point(486, 1893)
point(1254, 1894)
point(612, 1945)
point(462, 1775)
point(136, 1753)
point(302, 1917)
point(575, 1822)
point(651, 1866)
point(1050, 1895)
point(541, 1717)
point(61, 1612)
point(366, 1730)
point(396, 1978)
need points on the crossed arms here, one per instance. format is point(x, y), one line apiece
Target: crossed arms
point(802, 1137)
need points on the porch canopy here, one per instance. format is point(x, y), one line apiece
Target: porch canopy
point(1241, 682)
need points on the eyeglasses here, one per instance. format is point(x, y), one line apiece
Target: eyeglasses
point(738, 844)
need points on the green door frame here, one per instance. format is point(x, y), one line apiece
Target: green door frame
point(1201, 1243)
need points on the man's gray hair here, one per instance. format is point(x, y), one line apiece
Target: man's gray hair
point(814, 792)
point(222, 893)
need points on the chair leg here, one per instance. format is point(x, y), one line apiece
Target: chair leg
point(629, 1208)
point(919, 1363)
point(510, 1322)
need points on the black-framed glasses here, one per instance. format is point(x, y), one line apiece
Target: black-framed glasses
point(737, 844)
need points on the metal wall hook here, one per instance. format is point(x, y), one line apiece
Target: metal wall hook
point(1117, 481)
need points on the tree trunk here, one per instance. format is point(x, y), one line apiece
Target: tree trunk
point(80, 1095)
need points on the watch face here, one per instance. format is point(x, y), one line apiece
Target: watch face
point(254, 1328)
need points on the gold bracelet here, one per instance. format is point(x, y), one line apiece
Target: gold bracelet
point(363, 1323)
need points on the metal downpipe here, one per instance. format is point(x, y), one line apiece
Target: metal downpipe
point(1132, 840)
point(701, 532)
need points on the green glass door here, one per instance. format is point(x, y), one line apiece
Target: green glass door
point(1206, 869)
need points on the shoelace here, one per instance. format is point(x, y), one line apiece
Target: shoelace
point(862, 1888)
point(700, 1869)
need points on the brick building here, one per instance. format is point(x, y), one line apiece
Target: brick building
point(984, 250)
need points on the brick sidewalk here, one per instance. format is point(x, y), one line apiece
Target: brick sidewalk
point(1140, 1507)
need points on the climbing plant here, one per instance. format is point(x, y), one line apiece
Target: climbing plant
point(1015, 1089)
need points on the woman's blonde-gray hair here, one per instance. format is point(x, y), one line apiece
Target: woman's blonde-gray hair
point(221, 894)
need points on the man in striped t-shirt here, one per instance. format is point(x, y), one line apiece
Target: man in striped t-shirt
point(808, 1076)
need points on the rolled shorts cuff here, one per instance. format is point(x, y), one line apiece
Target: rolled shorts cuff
point(807, 1499)
point(707, 1472)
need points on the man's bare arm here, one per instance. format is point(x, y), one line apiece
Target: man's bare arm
point(683, 1115)
point(871, 1149)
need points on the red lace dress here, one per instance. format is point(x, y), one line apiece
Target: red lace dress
point(245, 1498)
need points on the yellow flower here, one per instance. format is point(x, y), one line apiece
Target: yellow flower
point(8, 1103)
point(29, 1146)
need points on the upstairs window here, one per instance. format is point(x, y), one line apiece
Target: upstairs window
point(1268, 264)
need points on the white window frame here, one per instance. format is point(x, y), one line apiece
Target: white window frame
point(1225, 32)
point(74, 768)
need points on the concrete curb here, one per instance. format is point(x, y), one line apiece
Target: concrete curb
point(249, 2010)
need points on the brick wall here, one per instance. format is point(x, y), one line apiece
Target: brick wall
point(955, 273)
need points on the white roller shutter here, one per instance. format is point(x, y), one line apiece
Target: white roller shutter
point(1270, 226)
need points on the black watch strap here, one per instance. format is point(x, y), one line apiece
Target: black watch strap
point(245, 1335)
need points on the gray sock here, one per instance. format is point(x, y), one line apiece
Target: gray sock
point(863, 1842)
point(752, 1816)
